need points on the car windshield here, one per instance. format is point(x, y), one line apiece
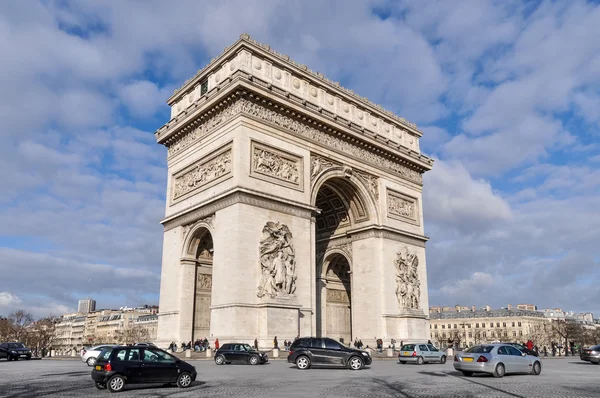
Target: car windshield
point(407, 347)
point(596, 348)
point(246, 347)
point(480, 349)
point(16, 345)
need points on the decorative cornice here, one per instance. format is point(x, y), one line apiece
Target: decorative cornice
point(234, 196)
point(372, 231)
point(285, 61)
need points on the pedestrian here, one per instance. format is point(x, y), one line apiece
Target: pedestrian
point(275, 343)
point(285, 345)
point(529, 345)
point(297, 337)
point(256, 344)
point(217, 343)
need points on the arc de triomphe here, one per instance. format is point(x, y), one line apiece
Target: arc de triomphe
point(293, 208)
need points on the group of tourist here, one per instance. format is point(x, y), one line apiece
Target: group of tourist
point(286, 343)
point(199, 345)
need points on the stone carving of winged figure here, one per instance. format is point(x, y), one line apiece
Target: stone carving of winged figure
point(278, 267)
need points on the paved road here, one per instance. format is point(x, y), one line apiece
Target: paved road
point(559, 378)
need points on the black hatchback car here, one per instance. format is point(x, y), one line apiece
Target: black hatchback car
point(308, 351)
point(117, 366)
point(239, 353)
point(14, 351)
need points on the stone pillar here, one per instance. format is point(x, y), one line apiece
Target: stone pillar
point(188, 353)
point(275, 352)
point(187, 290)
point(208, 352)
point(390, 352)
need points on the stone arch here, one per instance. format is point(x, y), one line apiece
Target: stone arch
point(194, 238)
point(335, 296)
point(347, 178)
point(329, 255)
point(198, 254)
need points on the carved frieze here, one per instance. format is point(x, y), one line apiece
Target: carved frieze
point(337, 296)
point(277, 261)
point(203, 173)
point(204, 281)
point(276, 165)
point(208, 124)
point(302, 129)
point(402, 207)
point(408, 284)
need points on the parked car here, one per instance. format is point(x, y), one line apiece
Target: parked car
point(239, 353)
point(89, 355)
point(496, 359)
point(145, 344)
point(591, 354)
point(420, 353)
point(308, 351)
point(121, 365)
point(4, 353)
point(15, 351)
point(524, 349)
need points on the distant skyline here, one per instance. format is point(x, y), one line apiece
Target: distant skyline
point(507, 94)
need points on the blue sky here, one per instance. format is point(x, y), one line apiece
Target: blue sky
point(507, 94)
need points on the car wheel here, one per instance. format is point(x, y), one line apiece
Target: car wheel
point(28, 358)
point(467, 373)
point(499, 371)
point(15, 358)
point(100, 386)
point(220, 360)
point(91, 361)
point(303, 362)
point(420, 361)
point(402, 362)
point(254, 360)
point(537, 368)
point(116, 383)
point(184, 380)
point(9, 358)
point(443, 359)
point(355, 363)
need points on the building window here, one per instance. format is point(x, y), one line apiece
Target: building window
point(443, 326)
point(520, 333)
point(484, 334)
point(476, 325)
point(519, 324)
point(455, 325)
point(470, 334)
point(514, 334)
point(483, 325)
point(497, 324)
point(505, 333)
point(443, 334)
point(513, 324)
point(449, 326)
point(504, 324)
point(435, 326)
point(204, 87)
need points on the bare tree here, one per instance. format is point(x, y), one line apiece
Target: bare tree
point(132, 335)
point(18, 324)
point(566, 331)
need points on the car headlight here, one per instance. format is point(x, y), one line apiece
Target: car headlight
point(13, 352)
point(365, 354)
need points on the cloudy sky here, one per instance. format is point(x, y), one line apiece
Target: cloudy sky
point(507, 94)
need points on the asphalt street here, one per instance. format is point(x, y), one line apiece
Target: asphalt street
point(384, 378)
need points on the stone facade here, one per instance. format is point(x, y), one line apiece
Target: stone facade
point(293, 208)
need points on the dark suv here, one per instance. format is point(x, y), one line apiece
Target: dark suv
point(117, 366)
point(308, 351)
point(14, 351)
point(239, 353)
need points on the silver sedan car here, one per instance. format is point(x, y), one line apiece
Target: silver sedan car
point(420, 353)
point(496, 359)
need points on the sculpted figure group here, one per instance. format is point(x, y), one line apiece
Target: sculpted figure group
point(408, 285)
point(277, 261)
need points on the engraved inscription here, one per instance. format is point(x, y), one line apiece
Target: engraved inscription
point(402, 207)
point(339, 296)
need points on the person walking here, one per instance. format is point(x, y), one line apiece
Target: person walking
point(256, 344)
point(217, 345)
point(275, 343)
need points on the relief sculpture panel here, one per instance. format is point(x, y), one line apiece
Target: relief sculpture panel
point(402, 207)
point(338, 296)
point(204, 281)
point(277, 261)
point(276, 166)
point(203, 173)
point(408, 284)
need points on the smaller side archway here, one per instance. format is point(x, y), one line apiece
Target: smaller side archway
point(198, 251)
point(334, 297)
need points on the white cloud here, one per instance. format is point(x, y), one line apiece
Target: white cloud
point(8, 299)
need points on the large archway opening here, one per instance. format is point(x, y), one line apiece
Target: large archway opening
point(341, 208)
point(202, 249)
